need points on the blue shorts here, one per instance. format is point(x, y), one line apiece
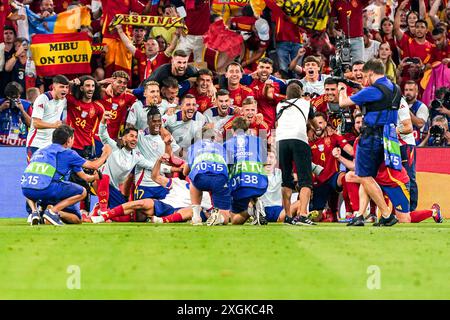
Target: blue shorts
point(240, 205)
point(142, 192)
point(161, 209)
point(217, 186)
point(321, 193)
point(399, 196)
point(56, 192)
point(116, 198)
point(369, 155)
point(98, 148)
point(273, 213)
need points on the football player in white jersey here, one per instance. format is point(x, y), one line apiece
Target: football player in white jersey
point(47, 114)
point(186, 123)
point(222, 112)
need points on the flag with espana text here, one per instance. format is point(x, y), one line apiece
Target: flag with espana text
point(65, 53)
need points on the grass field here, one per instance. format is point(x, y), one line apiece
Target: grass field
point(145, 261)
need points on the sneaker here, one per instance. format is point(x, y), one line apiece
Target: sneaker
point(53, 218)
point(438, 217)
point(197, 221)
point(371, 218)
point(97, 219)
point(386, 222)
point(260, 214)
point(289, 220)
point(35, 218)
point(302, 220)
point(214, 218)
point(356, 222)
point(155, 219)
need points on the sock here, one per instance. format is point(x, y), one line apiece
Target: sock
point(420, 215)
point(115, 212)
point(196, 209)
point(373, 206)
point(353, 194)
point(126, 218)
point(103, 192)
point(345, 196)
point(175, 217)
point(333, 200)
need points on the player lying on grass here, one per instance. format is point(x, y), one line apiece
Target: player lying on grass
point(45, 178)
point(208, 171)
point(175, 207)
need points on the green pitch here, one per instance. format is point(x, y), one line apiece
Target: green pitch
point(144, 261)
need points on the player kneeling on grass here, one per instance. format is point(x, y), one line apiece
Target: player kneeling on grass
point(175, 207)
point(45, 178)
point(208, 171)
point(248, 178)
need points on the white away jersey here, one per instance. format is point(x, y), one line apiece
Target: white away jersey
point(179, 195)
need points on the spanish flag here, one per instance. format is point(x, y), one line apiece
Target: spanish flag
point(65, 53)
point(64, 22)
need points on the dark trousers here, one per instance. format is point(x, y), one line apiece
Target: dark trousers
point(298, 152)
point(408, 153)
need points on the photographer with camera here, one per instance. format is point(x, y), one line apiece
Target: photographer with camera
point(379, 103)
point(14, 116)
point(441, 104)
point(438, 135)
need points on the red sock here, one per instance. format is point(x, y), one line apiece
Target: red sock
point(126, 218)
point(348, 204)
point(175, 217)
point(420, 215)
point(103, 192)
point(353, 194)
point(115, 212)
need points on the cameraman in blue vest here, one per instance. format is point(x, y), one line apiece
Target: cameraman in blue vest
point(379, 103)
point(45, 178)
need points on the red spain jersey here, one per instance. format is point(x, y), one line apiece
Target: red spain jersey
point(266, 106)
point(238, 95)
point(254, 128)
point(147, 66)
point(85, 119)
point(321, 150)
point(112, 7)
point(204, 102)
point(411, 48)
point(119, 106)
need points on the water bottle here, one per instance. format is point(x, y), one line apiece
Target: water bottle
point(30, 74)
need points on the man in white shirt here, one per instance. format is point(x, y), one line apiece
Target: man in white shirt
point(418, 114)
point(186, 123)
point(152, 145)
point(47, 114)
point(370, 46)
point(291, 137)
point(137, 116)
point(313, 81)
point(222, 112)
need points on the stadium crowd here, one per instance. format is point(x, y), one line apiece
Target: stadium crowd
point(158, 129)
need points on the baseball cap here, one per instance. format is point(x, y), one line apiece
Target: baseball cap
point(262, 28)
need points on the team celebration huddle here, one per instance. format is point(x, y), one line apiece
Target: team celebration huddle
point(297, 127)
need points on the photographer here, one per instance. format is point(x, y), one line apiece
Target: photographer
point(438, 135)
point(441, 104)
point(379, 102)
point(14, 117)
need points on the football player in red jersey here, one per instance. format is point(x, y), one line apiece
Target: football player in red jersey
point(323, 152)
point(238, 92)
point(203, 90)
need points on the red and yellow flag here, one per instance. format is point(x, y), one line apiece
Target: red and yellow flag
point(68, 53)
